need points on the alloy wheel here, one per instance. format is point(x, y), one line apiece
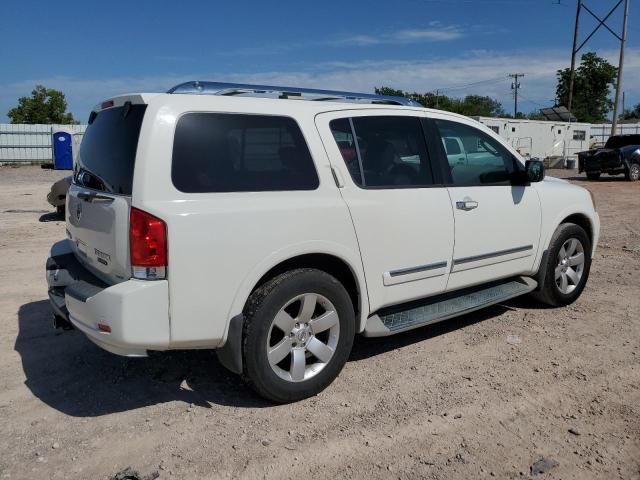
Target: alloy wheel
point(570, 265)
point(303, 337)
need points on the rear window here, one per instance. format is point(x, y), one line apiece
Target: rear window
point(220, 152)
point(108, 149)
point(622, 141)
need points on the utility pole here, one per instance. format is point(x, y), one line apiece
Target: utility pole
point(623, 40)
point(515, 86)
point(437, 97)
point(573, 55)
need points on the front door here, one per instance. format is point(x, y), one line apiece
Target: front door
point(402, 217)
point(497, 224)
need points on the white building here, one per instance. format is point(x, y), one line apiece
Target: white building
point(542, 139)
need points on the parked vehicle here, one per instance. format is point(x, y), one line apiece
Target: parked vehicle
point(621, 154)
point(57, 196)
point(274, 224)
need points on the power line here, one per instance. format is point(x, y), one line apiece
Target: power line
point(473, 84)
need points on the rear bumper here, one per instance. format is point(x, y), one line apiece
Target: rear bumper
point(135, 311)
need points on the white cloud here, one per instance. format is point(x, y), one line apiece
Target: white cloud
point(435, 33)
point(413, 75)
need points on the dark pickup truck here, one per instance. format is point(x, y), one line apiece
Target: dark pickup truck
point(621, 154)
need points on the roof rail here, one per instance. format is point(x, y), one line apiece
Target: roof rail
point(270, 91)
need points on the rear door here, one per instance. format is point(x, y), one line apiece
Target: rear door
point(401, 213)
point(497, 224)
point(99, 199)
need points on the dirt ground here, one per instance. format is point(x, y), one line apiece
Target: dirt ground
point(462, 399)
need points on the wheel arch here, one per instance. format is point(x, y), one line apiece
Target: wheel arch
point(229, 352)
point(328, 263)
point(333, 259)
point(579, 218)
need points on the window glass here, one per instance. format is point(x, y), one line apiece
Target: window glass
point(217, 152)
point(343, 135)
point(579, 135)
point(473, 156)
point(108, 149)
point(619, 141)
point(392, 152)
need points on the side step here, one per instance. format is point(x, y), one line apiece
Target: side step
point(392, 320)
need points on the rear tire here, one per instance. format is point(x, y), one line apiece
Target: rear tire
point(567, 266)
point(633, 172)
point(298, 333)
point(593, 175)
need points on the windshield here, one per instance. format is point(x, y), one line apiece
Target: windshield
point(619, 141)
point(108, 149)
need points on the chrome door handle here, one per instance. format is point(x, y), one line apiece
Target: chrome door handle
point(466, 205)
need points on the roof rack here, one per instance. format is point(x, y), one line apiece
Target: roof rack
point(270, 91)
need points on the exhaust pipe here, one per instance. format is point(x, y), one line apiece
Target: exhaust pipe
point(61, 322)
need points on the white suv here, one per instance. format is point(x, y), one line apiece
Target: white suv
point(274, 224)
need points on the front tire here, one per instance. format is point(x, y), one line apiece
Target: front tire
point(633, 172)
point(298, 333)
point(567, 266)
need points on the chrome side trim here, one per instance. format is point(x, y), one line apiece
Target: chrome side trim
point(484, 256)
point(419, 268)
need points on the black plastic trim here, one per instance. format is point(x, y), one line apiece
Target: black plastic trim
point(230, 355)
point(419, 268)
point(484, 256)
point(56, 299)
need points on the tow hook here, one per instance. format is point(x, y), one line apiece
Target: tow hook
point(61, 322)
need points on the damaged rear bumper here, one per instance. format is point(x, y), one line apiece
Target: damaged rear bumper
point(127, 318)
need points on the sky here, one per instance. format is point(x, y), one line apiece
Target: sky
point(93, 50)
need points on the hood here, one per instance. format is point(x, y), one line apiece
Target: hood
point(555, 180)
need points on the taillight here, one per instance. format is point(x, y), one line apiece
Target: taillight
point(148, 245)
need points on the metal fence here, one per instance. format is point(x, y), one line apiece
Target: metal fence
point(602, 131)
point(32, 143)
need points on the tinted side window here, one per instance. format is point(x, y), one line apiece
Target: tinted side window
point(218, 152)
point(343, 135)
point(392, 151)
point(473, 156)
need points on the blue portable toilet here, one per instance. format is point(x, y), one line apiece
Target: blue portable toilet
point(62, 147)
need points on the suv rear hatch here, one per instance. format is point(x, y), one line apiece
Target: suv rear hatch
point(99, 199)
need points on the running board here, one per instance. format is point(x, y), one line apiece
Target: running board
point(390, 321)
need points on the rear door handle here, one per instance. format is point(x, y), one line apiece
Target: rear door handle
point(466, 205)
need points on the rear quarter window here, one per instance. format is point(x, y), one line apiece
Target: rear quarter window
point(221, 152)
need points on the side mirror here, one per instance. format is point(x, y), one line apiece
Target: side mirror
point(534, 170)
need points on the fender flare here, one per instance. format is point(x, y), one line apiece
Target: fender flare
point(559, 219)
point(229, 352)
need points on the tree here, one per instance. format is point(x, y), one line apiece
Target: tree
point(45, 105)
point(536, 116)
point(594, 76)
point(632, 114)
point(471, 105)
